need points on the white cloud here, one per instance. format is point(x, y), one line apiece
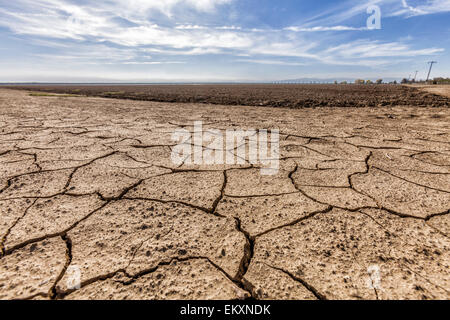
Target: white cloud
point(190, 27)
point(136, 35)
point(152, 62)
point(183, 52)
point(270, 62)
point(344, 11)
point(56, 19)
point(228, 28)
point(133, 9)
point(375, 49)
point(321, 28)
point(411, 8)
point(372, 54)
point(63, 20)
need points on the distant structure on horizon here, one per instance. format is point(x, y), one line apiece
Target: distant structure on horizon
point(431, 67)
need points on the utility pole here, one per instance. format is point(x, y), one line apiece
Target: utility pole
point(415, 77)
point(431, 66)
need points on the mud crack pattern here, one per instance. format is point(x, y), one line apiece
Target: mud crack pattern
point(89, 183)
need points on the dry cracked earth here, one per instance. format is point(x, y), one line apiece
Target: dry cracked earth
point(359, 208)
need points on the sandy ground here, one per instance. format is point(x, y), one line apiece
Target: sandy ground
point(443, 90)
point(360, 208)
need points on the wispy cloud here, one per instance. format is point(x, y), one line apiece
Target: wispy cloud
point(62, 20)
point(342, 12)
point(347, 10)
point(374, 49)
point(229, 28)
point(151, 62)
point(411, 8)
point(271, 62)
point(190, 27)
point(321, 28)
point(154, 33)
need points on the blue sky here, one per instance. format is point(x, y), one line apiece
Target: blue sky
point(220, 40)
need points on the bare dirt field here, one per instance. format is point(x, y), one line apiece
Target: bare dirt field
point(443, 90)
point(291, 96)
point(360, 208)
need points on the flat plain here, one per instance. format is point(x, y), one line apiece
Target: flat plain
point(269, 95)
point(360, 208)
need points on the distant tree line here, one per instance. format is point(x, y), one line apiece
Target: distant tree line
point(362, 81)
point(439, 80)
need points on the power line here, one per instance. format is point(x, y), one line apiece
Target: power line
point(431, 66)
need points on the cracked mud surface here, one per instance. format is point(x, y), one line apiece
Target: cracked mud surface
point(88, 183)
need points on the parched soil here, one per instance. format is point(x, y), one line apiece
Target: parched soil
point(360, 208)
point(291, 96)
point(442, 90)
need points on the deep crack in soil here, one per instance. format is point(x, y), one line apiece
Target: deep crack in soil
point(89, 183)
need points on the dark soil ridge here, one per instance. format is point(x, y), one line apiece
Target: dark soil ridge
point(287, 96)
